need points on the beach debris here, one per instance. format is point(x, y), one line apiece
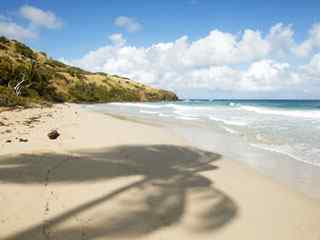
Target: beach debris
point(32, 120)
point(23, 140)
point(8, 141)
point(6, 131)
point(54, 134)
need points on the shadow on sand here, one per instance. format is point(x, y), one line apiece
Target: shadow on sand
point(168, 176)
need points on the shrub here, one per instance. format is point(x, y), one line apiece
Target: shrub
point(83, 92)
point(6, 70)
point(4, 40)
point(53, 63)
point(23, 49)
point(8, 98)
point(90, 92)
point(43, 53)
point(103, 74)
point(77, 72)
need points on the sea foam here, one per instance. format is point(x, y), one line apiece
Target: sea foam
point(315, 114)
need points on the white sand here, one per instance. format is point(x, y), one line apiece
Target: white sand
point(106, 178)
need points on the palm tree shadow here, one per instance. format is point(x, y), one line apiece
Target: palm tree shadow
point(170, 174)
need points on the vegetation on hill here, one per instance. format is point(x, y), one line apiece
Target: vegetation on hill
point(43, 79)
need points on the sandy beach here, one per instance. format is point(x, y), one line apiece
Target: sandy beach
point(110, 178)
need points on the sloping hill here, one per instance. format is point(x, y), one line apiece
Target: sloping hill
point(45, 79)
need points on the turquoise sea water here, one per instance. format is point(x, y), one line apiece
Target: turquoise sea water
point(291, 127)
point(278, 137)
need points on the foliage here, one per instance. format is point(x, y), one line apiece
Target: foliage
point(53, 63)
point(37, 80)
point(4, 40)
point(9, 99)
point(40, 82)
point(90, 92)
point(23, 50)
point(77, 70)
point(5, 70)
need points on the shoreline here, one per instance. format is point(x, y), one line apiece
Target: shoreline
point(283, 168)
point(108, 178)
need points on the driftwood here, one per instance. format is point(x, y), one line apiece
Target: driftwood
point(19, 86)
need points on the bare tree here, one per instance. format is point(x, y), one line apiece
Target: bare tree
point(19, 86)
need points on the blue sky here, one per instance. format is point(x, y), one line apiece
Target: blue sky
point(86, 26)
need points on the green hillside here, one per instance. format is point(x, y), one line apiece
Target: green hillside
point(43, 79)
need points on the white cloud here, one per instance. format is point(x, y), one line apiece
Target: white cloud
point(36, 18)
point(263, 76)
point(280, 39)
point(269, 75)
point(210, 78)
point(130, 24)
point(248, 62)
point(313, 67)
point(39, 17)
point(311, 43)
point(220, 48)
point(311, 71)
point(117, 39)
point(15, 31)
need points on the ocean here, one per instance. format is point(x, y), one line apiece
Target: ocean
point(278, 137)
